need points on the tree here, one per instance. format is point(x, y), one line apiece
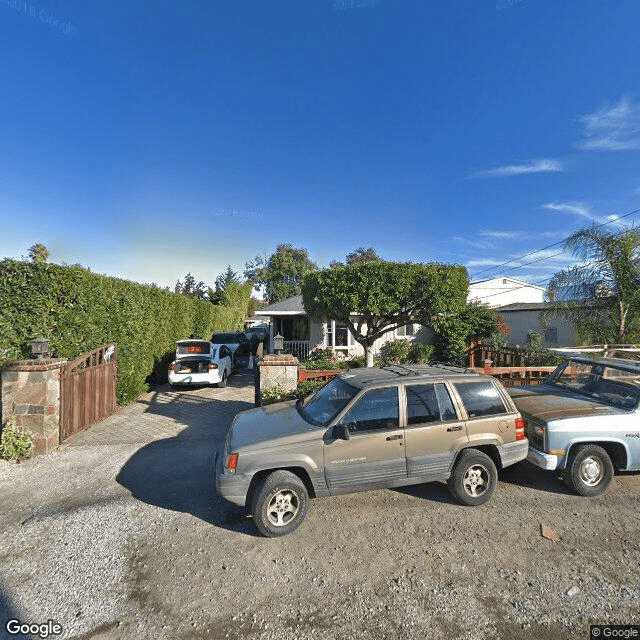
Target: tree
point(362, 255)
point(373, 298)
point(191, 288)
point(452, 332)
point(359, 256)
point(223, 282)
point(602, 293)
point(226, 278)
point(38, 253)
point(282, 274)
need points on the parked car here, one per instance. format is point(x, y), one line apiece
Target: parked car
point(236, 341)
point(200, 362)
point(369, 429)
point(584, 421)
point(256, 335)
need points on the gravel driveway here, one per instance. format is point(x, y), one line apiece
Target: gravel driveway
point(129, 540)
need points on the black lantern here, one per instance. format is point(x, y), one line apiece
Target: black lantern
point(39, 347)
point(278, 343)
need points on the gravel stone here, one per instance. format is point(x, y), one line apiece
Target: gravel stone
point(130, 540)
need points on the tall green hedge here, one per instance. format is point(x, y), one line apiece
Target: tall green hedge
point(79, 310)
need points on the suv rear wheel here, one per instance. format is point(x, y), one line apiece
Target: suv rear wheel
point(589, 470)
point(279, 504)
point(474, 478)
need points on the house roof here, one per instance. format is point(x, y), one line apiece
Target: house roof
point(288, 307)
point(524, 306)
point(502, 280)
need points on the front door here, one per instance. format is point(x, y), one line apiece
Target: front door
point(374, 456)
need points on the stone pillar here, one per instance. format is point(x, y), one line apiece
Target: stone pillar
point(31, 395)
point(276, 371)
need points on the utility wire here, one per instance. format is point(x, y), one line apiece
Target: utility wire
point(555, 244)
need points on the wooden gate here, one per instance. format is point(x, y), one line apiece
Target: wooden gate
point(88, 390)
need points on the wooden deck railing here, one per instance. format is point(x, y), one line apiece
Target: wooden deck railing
point(516, 376)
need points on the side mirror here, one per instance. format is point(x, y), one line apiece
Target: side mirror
point(341, 432)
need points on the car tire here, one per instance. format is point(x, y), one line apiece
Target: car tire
point(223, 383)
point(589, 470)
point(279, 504)
point(474, 478)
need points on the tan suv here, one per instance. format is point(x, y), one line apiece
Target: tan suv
point(370, 429)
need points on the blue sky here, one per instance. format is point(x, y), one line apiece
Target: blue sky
point(151, 139)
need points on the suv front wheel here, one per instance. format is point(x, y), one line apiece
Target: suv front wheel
point(279, 504)
point(474, 478)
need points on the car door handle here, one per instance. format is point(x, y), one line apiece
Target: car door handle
point(456, 428)
point(394, 437)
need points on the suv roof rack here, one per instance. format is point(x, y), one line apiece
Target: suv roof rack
point(422, 369)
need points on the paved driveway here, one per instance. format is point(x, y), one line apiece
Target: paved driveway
point(74, 524)
point(166, 413)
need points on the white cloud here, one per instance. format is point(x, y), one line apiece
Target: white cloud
point(576, 208)
point(545, 165)
point(584, 211)
point(613, 128)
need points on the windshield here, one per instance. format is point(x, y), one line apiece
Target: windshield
point(328, 402)
point(613, 386)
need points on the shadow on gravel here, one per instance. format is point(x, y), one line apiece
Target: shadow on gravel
point(433, 491)
point(525, 474)
point(177, 473)
point(7, 613)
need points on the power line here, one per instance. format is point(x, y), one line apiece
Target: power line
point(555, 244)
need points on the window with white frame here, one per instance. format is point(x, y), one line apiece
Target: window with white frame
point(337, 335)
point(407, 331)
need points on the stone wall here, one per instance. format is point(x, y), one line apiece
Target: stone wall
point(31, 395)
point(276, 371)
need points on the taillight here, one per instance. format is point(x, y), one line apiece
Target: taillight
point(519, 429)
point(231, 462)
point(171, 366)
point(213, 366)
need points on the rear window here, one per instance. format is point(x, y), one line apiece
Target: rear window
point(428, 403)
point(192, 348)
point(225, 338)
point(480, 398)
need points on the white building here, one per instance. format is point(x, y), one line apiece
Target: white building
point(498, 292)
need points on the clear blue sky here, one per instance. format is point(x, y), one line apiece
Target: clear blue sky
point(156, 138)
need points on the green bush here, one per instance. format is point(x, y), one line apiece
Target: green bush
point(278, 394)
point(396, 351)
point(79, 310)
point(405, 352)
point(13, 444)
point(421, 353)
point(324, 359)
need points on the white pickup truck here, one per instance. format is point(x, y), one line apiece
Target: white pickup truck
point(584, 420)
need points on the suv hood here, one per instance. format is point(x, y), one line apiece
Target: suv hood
point(266, 425)
point(546, 403)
